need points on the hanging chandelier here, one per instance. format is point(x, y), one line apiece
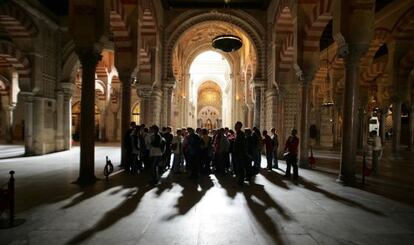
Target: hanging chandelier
point(227, 42)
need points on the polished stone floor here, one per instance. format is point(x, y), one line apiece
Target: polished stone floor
point(125, 210)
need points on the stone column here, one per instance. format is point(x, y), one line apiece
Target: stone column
point(60, 111)
point(382, 119)
point(144, 92)
point(257, 105)
point(156, 106)
point(262, 108)
point(304, 123)
point(396, 126)
point(89, 59)
point(28, 125)
point(8, 109)
point(125, 111)
point(350, 114)
point(67, 120)
point(167, 90)
point(411, 129)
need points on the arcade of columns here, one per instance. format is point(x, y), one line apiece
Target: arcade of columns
point(119, 57)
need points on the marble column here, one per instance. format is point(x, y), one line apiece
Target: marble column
point(167, 90)
point(257, 105)
point(59, 137)
point(411, 129)
point(28, 125)
point(350, 115)
point(125, 111)
point(144, 93)
point(8, 109)
point(156, 106)
point(67, 120)
point(396, 127)
point(89, 59)
point(304, 123)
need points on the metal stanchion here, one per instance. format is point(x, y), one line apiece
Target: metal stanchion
point(11, 198)
point(8, 203)
point(363, 168)
point(108, 169)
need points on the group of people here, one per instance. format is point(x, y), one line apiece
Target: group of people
point(202, 151)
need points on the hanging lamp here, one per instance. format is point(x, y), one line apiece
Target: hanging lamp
point(227, 42)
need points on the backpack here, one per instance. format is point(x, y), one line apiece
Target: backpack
point(158, 142)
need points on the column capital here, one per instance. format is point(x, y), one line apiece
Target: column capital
point(68, 88)
point(168, 86)
point(144, 90)
point(258, 85)
point(9, 108)
point(88, 56)
point(352, 53)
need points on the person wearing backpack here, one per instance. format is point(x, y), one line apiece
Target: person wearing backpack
point(156, 150)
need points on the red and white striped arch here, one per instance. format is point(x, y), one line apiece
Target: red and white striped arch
point(375, 70)
point(407, 62)
point(381, 36)
point(148, 34)
point(284, 20)
point(287, 54)
point(148, 19)
point(16, 22)
point(404, 29)
point(11, 55)
point(320, 17)
point(120, 27)
point(4, 87)
point(101, 70)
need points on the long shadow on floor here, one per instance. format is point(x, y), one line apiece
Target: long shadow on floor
point(256, 191)
point(127, 207)
point(228, 183)
point(191, 194)
point(274, 178)
point(315, 188)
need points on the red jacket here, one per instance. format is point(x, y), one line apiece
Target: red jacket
point(292, 144)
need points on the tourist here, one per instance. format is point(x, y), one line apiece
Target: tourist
point(250, 149)
point(257, 149)
point(167, 153)
point(239, 155)
point(177, 148)
point(135, 150)
point(128, 147)
point(275, 141)
point(156, 147)
point(193, 152)
point(376, 151)
point(269, 149)
point(221, 151)
point(228, 159)
point(205, 154)
point(291, 154)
